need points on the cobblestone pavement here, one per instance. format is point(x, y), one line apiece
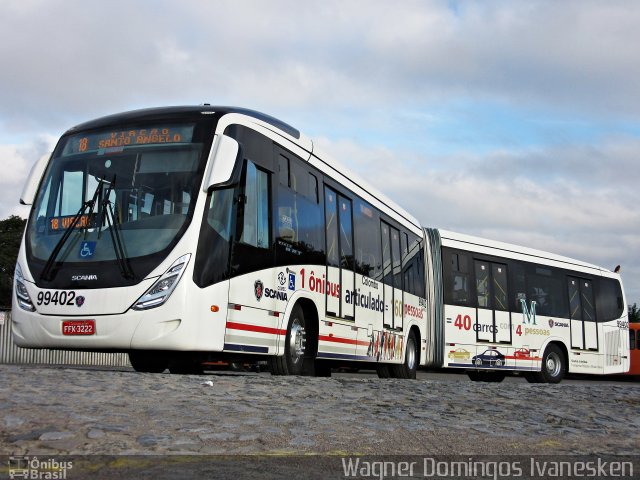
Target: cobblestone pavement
point(73, 410)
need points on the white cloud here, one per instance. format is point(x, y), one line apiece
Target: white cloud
point(16, 161)
point(317, 55)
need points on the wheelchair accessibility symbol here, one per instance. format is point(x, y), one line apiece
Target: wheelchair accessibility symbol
point(87, 249)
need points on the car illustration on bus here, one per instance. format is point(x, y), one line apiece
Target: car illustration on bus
point(459, 354)
point(522, 354)
point(492, 358)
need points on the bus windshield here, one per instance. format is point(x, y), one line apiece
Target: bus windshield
point(123, 193)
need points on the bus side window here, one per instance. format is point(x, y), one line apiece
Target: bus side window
point(457, 276)
point(297, 214)
point(519, 285)
point(255, 230)
point(367, 240)
point(214, 244)
point(482, 284)
point(546, 288)
point(632, 339)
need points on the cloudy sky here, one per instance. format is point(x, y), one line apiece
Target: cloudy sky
point(513, 120)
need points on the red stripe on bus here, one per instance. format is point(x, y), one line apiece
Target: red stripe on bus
point(342, 340)
point(255, 328)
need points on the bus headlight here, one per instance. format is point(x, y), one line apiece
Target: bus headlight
point(164, 286)
point(24, 300)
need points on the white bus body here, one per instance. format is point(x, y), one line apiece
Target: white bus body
point(184, 234)
point(198, 231)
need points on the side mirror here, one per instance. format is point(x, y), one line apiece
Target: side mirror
point(221, 162)
point(33, 180)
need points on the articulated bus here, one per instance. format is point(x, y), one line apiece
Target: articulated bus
point(185, 235)
point(503, 308)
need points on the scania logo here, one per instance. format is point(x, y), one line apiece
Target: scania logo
point(76, 278)
point(258, 289)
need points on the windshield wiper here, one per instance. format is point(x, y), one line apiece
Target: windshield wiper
point(116, 235)
point(47, 274)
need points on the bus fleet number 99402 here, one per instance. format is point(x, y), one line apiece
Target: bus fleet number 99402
point(58, 297)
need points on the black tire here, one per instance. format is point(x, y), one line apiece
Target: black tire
point(322, 369)
point(148, 361)
point(295, 348)
point(554, 365)
point(486, 376)
point(495, 377)
point(383, 371)
point(532, 377)
point(474, 375)
point(409, 367)
point(185, 365)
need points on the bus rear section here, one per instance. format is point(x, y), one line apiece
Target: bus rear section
point(505, 308)
point(634, 349)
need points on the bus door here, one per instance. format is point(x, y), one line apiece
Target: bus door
point(584, 329)
point(493, 319)
point(392, 277)
point(340, 259)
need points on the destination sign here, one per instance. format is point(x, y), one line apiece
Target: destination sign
point(156, 135)
point(64, 222)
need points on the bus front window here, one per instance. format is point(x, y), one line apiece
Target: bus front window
point(145, 186)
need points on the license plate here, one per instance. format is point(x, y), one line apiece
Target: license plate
point(79, 327)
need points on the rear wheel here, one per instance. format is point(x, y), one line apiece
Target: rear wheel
point(553, 365)
point(148, 361)
point(409, 367)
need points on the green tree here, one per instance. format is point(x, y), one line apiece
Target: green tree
point(634, 313)
point(10, 236)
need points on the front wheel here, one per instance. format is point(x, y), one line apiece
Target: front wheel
point(295, 348)
point(185, 364)
point(148, 361)
point(409, 367)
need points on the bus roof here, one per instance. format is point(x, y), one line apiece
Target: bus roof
point(187, 112)
point(469, 242)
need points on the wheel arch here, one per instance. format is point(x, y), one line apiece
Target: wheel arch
point(310, 311)
point(312, 321)
point(561, 345)
point(563, 348)
point(416, 332)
